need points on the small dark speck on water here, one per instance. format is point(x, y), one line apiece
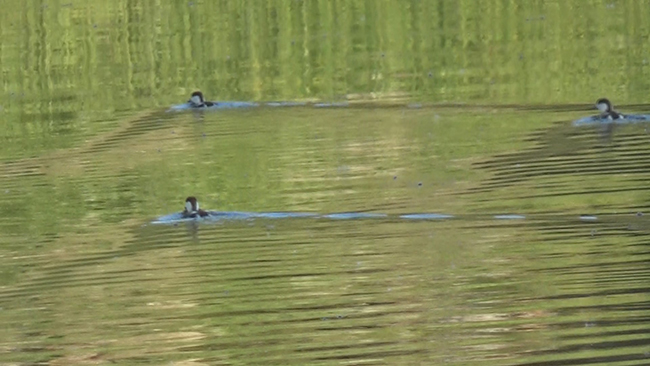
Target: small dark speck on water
point(337, 317)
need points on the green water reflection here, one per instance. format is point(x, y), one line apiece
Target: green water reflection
point(68, 65)
point(457, 107)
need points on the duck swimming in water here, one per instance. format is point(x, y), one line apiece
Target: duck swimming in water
point(197, 101)
point(606, 109)
point(192, 209)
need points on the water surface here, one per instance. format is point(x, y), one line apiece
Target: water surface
point(456, 214)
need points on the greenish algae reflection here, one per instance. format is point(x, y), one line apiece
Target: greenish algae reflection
point(126, 55)
point(470, 98)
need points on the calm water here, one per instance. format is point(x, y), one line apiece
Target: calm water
point(461, 108)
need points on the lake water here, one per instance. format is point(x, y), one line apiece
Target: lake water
point(459, 217)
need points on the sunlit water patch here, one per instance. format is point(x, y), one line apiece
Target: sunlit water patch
point(598, 120)
point(217, 216)
point(216, 106)
point(220, 216)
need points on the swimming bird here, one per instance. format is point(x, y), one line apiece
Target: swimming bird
point(192, 209)
point(606, 109)
point(197, 101)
